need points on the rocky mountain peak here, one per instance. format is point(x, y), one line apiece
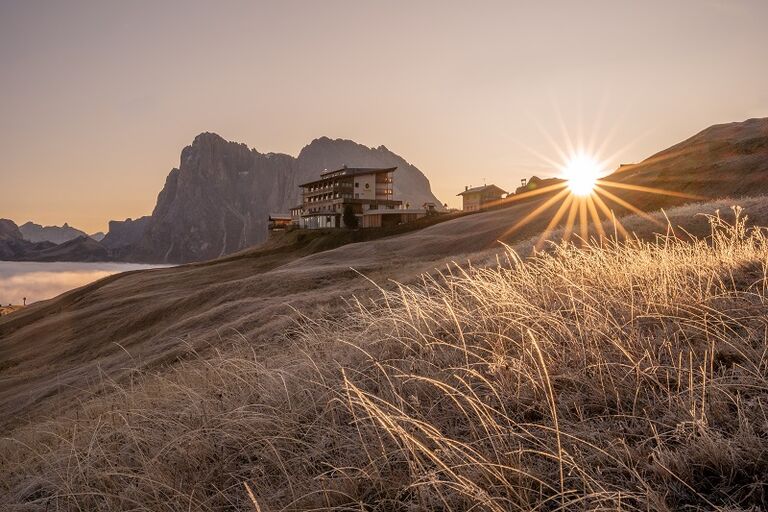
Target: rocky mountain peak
point(9, 229)
point(208, 138)
point(219, 199)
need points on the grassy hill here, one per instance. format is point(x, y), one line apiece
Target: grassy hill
point(341, 373)
point(620, 376)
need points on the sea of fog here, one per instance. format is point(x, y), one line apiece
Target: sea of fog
point(40, 281)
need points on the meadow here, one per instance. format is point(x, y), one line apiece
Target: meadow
point(613, 375)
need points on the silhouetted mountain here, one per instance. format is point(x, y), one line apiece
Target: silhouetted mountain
point(218, 200)
point(98, 236)
point(56, 234)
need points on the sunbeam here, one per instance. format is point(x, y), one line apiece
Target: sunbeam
point(582, 201)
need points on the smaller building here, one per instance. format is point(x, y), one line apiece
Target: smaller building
point(478, 198)
point(280, 221)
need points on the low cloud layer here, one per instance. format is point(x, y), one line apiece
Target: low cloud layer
point(40, 281)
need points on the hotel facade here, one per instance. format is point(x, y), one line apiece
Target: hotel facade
point(366, 193)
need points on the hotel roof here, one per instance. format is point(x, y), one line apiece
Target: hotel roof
point(349, 171)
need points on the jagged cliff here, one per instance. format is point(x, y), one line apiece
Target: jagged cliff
point(217, 201)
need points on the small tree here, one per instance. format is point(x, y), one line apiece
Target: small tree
point(349, 217)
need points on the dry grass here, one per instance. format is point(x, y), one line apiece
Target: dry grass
point(626, 376)
point(7, 310)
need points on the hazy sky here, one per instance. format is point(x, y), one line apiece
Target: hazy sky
point(98, 98)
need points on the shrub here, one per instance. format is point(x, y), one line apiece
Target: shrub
point(349, 217)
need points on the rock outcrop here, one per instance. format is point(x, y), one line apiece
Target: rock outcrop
point(217, 201)
point(56, 234)
point(124, 235)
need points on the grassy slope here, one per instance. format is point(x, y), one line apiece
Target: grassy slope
point(58, 349)
point(628, 377)
point(75, 345)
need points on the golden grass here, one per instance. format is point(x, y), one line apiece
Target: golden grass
point(615, 376)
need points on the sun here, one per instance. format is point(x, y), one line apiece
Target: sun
point(581, 173)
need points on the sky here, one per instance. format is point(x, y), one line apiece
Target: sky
point(97, 98)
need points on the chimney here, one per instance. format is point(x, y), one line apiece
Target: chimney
point(466, 187)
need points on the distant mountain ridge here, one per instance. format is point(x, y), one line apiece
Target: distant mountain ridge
point(56, 234)
point(13, 247)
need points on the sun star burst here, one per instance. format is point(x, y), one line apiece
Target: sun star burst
point(580, 199)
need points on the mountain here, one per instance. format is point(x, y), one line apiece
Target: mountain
point(217, 201)
point(56, 234)
point(9, 230)
point(13, 247)
point(98, 236)
point(12, 243)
